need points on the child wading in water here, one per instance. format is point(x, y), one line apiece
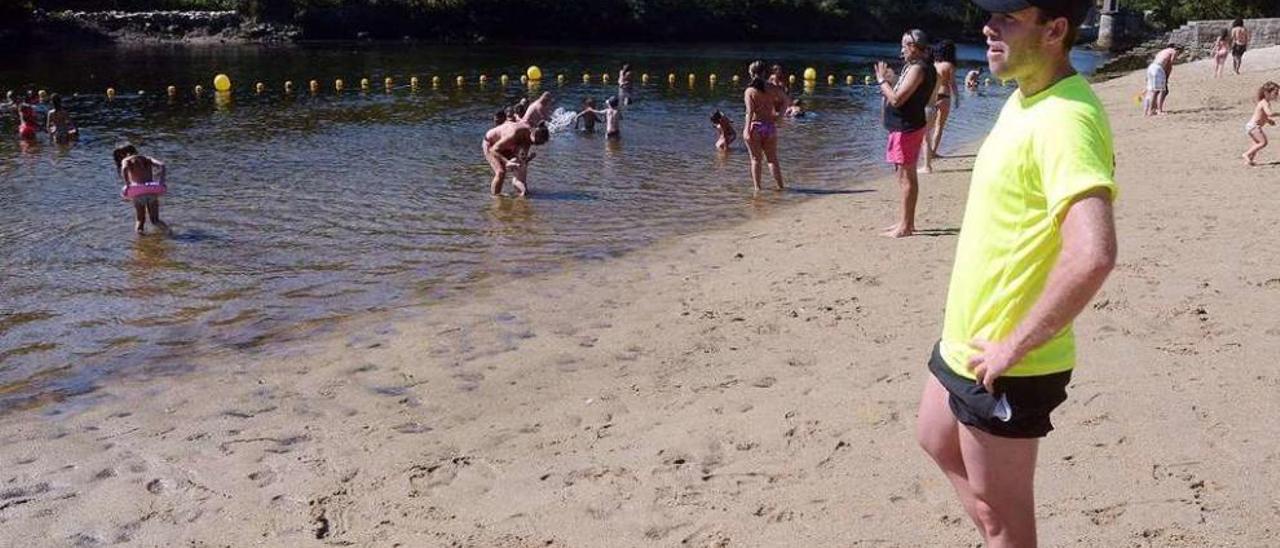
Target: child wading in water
point(589, 116)
point(60, 125)
point(143, 184)
point(1262, 117)
point(612, 119)
point(724, 129)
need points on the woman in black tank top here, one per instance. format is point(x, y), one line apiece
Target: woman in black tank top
point(904, 117)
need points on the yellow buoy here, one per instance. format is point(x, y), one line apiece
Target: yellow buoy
point(586, 78)
point(792, 79)
point(604, 77)
point(288, 86)
point(314, 86)
point(671, 78)
point(986, 81)
point(172, 90)
point(867, 79)
point(735, 79)
point(560, 79)
point(364, 83)
point(831, 79)
point(810, 74)
point(259, 87)
point(461, 81)
point(693, 78)
point(388, 82)
point(644, 78)
point(111, 93)
point(484, 79)
point(848, 80)
point(339, 84)
point(504, 79)
point(534, 73)
point(435, 81)
point(43, 95)
point(413, 81)
point(712, 78)
point(222, 82)
point(199, 89)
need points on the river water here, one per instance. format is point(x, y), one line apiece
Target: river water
point(302, 210)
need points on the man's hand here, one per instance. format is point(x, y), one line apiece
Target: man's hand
point(991, 362)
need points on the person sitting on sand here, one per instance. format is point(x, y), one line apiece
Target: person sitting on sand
point(589, 116)
point(1158, 73)
point(1239, 43)
point(60, 126)
point(539, 111)
point(724, 130)
point(138, 170)
point(612, 119)
point(1262, 117)
point(796, 110)
point(506, 147)
point(1221, 49)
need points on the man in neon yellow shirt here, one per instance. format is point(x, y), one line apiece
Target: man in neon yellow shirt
point(1037, 242)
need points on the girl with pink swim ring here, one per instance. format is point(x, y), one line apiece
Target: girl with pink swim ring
point(143, 184)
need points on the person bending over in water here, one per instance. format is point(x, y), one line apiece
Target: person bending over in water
point(589, 116)
point(763, 103)
point(1262, 117)
point(142, 171)
point(724, 130)
point(796, 110)
point(612, 119)
point(539, 111)
point(506, 147)
point(60, 126)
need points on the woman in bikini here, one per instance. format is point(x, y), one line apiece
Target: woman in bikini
point(760, 130)
point(1221, 48)
point(944, 63)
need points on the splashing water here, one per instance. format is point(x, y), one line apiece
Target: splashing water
point(561, 120)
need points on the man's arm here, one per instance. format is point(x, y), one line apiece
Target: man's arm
point(1087, 257)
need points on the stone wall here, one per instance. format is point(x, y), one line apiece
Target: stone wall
point(171, 25)
point(1200, 35)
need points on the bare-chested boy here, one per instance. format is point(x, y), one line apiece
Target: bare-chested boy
point(507, 147)
point(724, 130)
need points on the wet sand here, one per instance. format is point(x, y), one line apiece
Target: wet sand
point(751, 386)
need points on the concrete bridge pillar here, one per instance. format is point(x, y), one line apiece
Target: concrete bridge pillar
point(1107, 20)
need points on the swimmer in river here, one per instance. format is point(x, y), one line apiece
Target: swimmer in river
point(60, 126)
point(971, 80)
point(589, 116)
point(612, 119)
point(796, 110)
point(764, 101)
point(724, 130)
point(778, 78)
point(26, 117)
point(624, 84)
point(539, 111)
point(506, 147)
point(141, 171)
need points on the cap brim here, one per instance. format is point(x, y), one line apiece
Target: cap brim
point(1002, 6)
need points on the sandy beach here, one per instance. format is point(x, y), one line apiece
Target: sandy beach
point(754, 385)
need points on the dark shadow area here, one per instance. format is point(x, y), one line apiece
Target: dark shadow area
point(562, 196)
point(826, 191)
point(956, 170)
point(955, 156)
point(935, 232)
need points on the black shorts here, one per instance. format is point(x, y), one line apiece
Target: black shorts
point(1020, 411)
point(1238, 50)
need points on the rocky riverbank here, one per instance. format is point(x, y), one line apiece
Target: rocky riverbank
point(154, 27)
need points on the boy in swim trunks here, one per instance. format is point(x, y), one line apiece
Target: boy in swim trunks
point(136, 169)
point(724, 130)
point(589, 116)
point(1239, 43)
point(612, 119)
point(506, 147)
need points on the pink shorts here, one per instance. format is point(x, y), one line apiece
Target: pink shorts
point(904, 147)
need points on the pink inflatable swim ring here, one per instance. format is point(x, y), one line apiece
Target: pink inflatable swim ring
point(150, 188)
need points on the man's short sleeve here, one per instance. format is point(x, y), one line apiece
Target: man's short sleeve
point(1074, 152)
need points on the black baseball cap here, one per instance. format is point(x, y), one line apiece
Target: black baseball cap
point(1073, 10)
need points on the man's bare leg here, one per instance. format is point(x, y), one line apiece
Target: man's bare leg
point(1001, 472)
point(938, 433)
point(499, 172)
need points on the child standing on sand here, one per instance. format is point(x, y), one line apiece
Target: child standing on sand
point(143, 184)
point(1262, 117)
point(1221, 48)
point(724, 130)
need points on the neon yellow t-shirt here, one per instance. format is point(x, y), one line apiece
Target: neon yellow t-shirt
point(1043, 152)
